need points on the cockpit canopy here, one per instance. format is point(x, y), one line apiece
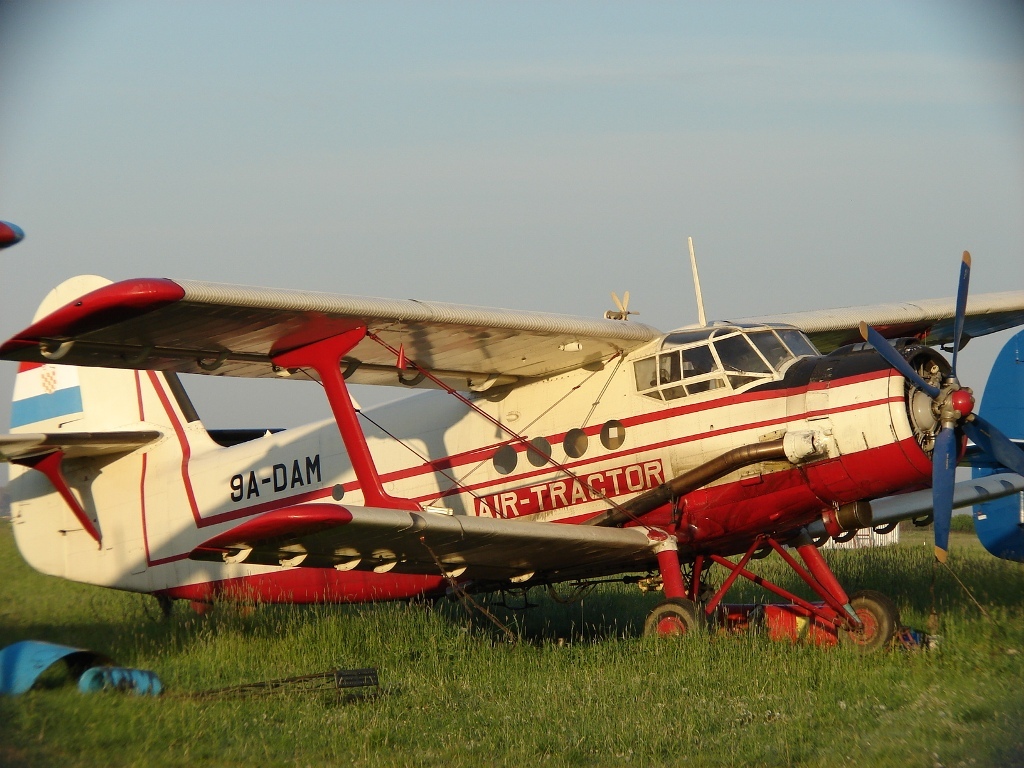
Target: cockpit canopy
point(722, 356)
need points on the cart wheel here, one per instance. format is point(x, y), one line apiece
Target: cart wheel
point(674, 617)
point(881, 620)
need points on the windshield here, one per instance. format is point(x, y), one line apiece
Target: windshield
point(692, 362)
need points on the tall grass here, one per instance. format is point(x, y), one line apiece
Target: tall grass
point(579, 687)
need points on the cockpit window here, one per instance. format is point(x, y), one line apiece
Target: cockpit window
point(740, 360)
point(691, 362)
point(678, 372)
point(682, 338)
point(670, 371)
point(697, 363)
point(737, 354)
point(798, 344)
point(646, 373)
point(770, 346)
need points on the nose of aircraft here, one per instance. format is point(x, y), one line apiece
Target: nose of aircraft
point(953, 405)
point(10, 234)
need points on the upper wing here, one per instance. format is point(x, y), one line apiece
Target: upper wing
point(194, 327)
point(476, 548)
point(929, 319)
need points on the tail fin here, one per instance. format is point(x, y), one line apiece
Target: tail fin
point(1000, 523)
point(79, 516)
point(52, 398)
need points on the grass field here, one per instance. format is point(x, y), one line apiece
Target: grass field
point(579, 687)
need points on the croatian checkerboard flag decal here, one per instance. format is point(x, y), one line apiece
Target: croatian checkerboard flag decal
point(44, 392)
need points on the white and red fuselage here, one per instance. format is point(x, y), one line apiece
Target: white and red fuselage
point(587, 439)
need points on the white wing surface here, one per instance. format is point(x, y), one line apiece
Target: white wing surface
point(929, 319)
point(473, 548)
point(229, 330)
point(194, 327)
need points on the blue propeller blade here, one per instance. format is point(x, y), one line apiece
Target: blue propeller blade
point(943, 479)
point(994, 443)
point(961, 306)
point(895, 359)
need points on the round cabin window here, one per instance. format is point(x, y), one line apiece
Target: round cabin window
point(539, 451)
point(505, 459)
point(613, 434)
point(575, 443)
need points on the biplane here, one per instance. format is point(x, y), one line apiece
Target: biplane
point(542, 448)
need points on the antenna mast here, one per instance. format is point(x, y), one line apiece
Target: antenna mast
point(696, 285)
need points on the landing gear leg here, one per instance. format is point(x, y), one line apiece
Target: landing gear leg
point(671, 573)
point(677, 615)
point(830, 586)
point(697, 588)
point(867, 622)
point(166, 605)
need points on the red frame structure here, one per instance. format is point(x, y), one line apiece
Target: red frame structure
point(835, 611)
point(325, 358)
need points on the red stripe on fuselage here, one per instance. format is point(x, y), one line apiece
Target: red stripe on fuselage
point(504, 482)
point(427, 468)
point(186, 448)
point(476, 455)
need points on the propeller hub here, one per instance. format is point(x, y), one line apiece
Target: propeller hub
point(963, 401)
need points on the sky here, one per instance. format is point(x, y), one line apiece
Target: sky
point(522, 155)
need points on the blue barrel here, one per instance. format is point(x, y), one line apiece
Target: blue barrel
point(22, 663)
point(141, 682)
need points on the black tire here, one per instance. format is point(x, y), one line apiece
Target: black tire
point(881, 620)
point(676, 617)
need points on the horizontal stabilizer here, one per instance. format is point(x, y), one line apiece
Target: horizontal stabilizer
point(475, 548)
point(72, 444)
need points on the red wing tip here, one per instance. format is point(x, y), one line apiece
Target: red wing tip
point(105, 306)
point(14, 345)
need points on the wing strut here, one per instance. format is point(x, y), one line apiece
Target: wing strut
point(324, 357)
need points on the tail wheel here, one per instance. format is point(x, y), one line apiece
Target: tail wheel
point(880, 617)
point(673, 618)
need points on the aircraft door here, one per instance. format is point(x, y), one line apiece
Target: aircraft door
point(815, 405)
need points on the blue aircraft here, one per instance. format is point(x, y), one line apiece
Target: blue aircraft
point(1000, 523)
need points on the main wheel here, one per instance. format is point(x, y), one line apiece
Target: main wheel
point(881, 620)
point(675, 617)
